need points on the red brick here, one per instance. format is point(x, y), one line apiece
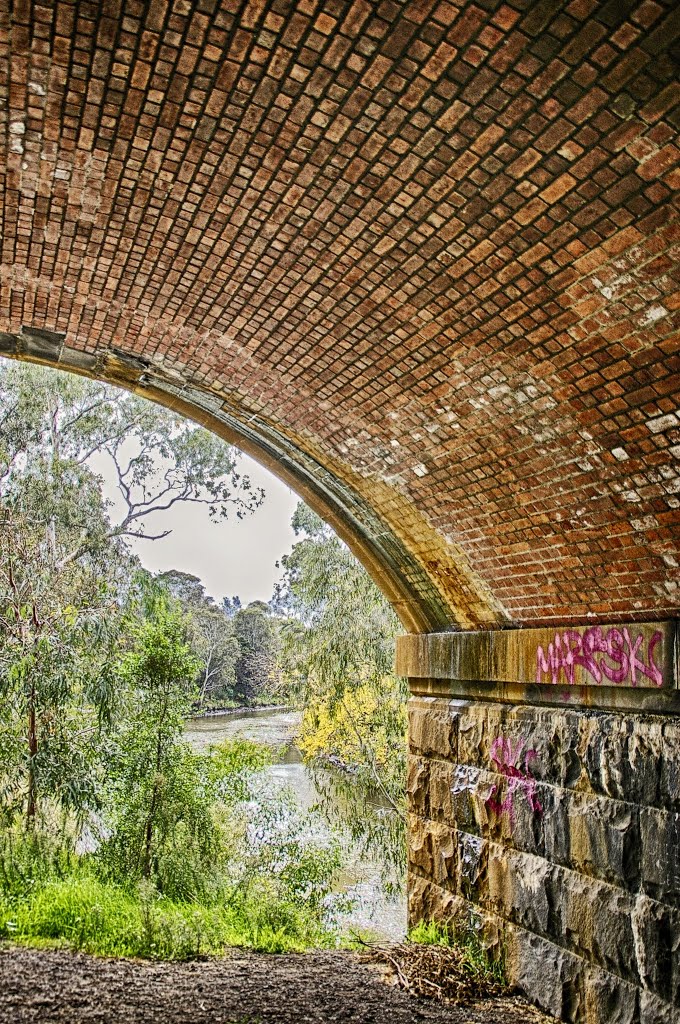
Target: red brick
point(433, 223)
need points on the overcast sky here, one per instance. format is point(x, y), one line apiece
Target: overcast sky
point(233, 557)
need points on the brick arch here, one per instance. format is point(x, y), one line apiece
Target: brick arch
point(419, 256)
point(395, 571)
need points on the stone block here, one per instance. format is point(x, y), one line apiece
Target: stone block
point(418, 785)
point(441, 785)
point(604, 839)
point(646, 751)
point(656, 1011)
point(514, 732)
point(608, 999)
point(670, 766)
point(553, 978)
point(432, 850)
point(472, 733)
point(430, 902)
point(471, 863)
point(419, 849)
point(660, 833)
point(656, 930)
point(622, 756)
point(518, 888)
point(469, 790)
point(593, 920)
point(433, 726)
point(555, 828)
point(523, 821)
point(444, 851)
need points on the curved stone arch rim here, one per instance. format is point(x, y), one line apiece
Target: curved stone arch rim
point(417, 604)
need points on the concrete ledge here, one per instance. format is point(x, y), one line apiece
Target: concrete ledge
point(626, 665)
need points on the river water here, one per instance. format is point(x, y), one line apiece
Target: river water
point(370, 836)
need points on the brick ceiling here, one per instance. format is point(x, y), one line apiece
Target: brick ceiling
point(419, 256)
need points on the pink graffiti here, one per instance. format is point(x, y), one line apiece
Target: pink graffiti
point(508, 760)
point(624, 667)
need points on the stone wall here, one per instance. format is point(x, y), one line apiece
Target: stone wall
point(556, 831)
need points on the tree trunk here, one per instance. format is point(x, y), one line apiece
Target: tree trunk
point(32, 753)
point(148, 832)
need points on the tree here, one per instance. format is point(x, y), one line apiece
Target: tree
point(257, 638)
point(230, 605)
point(337, 651)
point(213, 639)
point(59, 622)
point(52, 422)
point(161, 828)
point(64, 563)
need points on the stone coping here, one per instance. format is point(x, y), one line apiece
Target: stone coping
point(621, 665)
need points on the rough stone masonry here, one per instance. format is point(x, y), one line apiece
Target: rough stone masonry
point(545, 809)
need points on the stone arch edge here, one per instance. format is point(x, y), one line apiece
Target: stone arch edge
point(418, 605)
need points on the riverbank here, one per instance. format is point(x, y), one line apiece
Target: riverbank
point(59, 987)
point(372, 868)
point(241, 709)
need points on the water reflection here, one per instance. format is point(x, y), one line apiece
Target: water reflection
point(372, 835)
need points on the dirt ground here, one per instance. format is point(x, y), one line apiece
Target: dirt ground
point(46, 986)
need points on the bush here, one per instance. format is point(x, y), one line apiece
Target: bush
point(267, 886)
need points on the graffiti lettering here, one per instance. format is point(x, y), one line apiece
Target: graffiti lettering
point(613, 657)
point(508, 760)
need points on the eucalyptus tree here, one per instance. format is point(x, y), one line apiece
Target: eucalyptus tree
point(60, 619)
point(256, 631)
point(65, 564)
point(158, 824)
point(53, 423)
point(213, 639)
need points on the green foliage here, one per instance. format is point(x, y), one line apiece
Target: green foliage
point(337, 651)
point(65, 570)
point(59, 623)
point(213, 640)
point(232, 766)
point(271, 888)
point(85, 913)
point(257, 637)
point(158, 823)
point(158, 457)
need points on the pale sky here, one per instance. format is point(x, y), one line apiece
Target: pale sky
point(236, 556)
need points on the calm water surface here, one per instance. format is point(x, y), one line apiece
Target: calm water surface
point(366, 827)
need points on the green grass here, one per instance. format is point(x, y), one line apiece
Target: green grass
point(85, 913)
point(262, 885)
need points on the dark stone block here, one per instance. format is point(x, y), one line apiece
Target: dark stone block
point(610, 1000)
point(467, 799)
point(660, 831)
point(8, 343)
point(593, 920)
point(656, 1011)
point(472, 861)
point(42, 344)
point(605, 839)
point(552, 976)
point(555, 824)
point(670, 766)
point(657, 946)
